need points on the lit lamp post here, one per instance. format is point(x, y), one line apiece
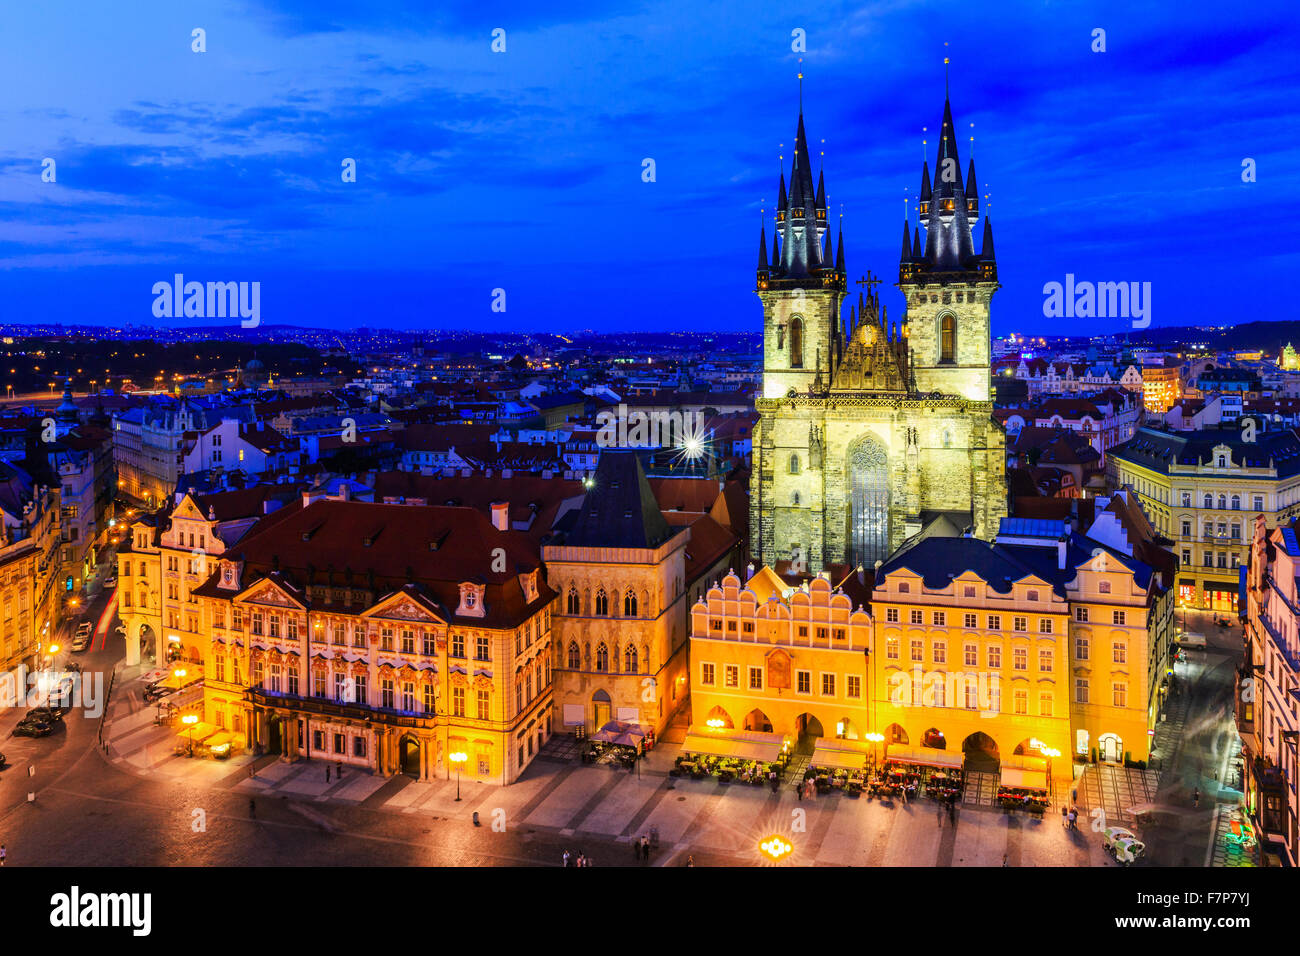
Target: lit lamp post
point(458, 758)
point(1049, 753)
point(189, 720)
point(876, 740)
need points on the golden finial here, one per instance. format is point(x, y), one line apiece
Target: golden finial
point(945, 72)
point(800, 84)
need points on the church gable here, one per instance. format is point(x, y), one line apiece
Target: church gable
point(404, 608)
point(270, 594)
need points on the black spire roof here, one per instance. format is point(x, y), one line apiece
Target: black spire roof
point(947, 218)
point(619, 509)
point(762, 249)
point(907, 244)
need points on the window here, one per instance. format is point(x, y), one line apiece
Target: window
point(940, 652)
point(904, 587)
point(891, 615)
point(1117, 617)
point(630, 660)
point(481, 704)
point(1258, 503)
point(1080, 648)
point(1044, 625)
point(794, 464)
point(917, 617)
point(362, 686)
point(1236, 502)
point(1103, 587)
point(853, 686)
point(1044, 658)
point(1020, 701)
point(948, 338)
point(602, 657)
point(1020, 624)
point(1187, 499)
point(386, 694)
point(458, 645)
point(828, 685)
point(968, 590)
point(1031, 595)
point(839, 634)
point(602, 603)
point(358, 746)
point(408, 641)
point(575, 659)
point(995, 655)
point(408, 696)
point(1045, 703)
point(1208, 501)
point(428, 646)
point(293, 681)
point(1081, 690)
point(340, 682)
point(571, 602)
point(458, 701)
point(938, 618)
point(1020, 659)
point(430, 701)
point(803, 682)
point(796, 342)
point(731, 674)
point(629, 604)
point(1119, 653)
point(917, 649)
point(971, 655)
point(970, 621)
point(1119, 694)
point(995, 622)
point(891, 648)
point(756, 678)
point(706, 674)
point(1187, 529)
point(480, 649)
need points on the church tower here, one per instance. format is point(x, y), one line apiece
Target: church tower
point(946, 283)
point(802, 287)
point(871, 430)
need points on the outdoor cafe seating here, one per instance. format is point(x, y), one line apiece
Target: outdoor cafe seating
point(740, 756)
point(1023, 787)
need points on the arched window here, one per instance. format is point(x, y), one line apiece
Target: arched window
point(1223, 502)
point(629, 659)
point(572, 605)
point(794, 464)
point(629, 603)
point(796, 342)
point(1209, 501)
point(602, 657)
point(948, 339)
point(602, 602)
point(1236, 502)
point(575, 659)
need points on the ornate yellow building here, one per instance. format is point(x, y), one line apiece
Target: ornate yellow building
point(869, 430)
point(383, 636)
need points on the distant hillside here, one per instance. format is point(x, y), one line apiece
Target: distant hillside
point(1250, 336)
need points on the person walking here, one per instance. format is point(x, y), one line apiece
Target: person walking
point(2, 854)
point(566, 859)
point(799, 790)
point(1196, 796)
point(339, 770)
point(636, 848)
point(645, 848)
point(952, 812)
point(690, 861)
point(327, 774)
point(1004, 859)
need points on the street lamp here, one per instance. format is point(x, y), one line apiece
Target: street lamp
point(189, 720)
point(876, 740)
point(458, 758)
point(1048, 752)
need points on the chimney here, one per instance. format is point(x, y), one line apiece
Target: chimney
point(1060, 554)
point(501, 515)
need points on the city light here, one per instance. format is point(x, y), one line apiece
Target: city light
point(775, 848)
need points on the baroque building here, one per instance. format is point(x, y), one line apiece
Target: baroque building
point(870, 429)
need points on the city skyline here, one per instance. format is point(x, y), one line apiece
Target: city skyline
point(523, 170)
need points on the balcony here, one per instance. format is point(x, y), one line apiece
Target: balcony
point(328, 707)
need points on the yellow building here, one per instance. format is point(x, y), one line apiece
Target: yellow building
point(392, 637)
point(1162, 387)
point(29, 565)
point(1202, 489)
point(1046, 642)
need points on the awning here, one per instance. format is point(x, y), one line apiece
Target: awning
point(1024, 779)
point(223, 739)
point(839, 755)
point(1025, 762)
point(923, 757)
point(741, 744)
point(621, 732)
point(198, 732)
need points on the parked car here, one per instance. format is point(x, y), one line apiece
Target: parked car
point(81, 640)
point(1128, 850)
point(1111, 835)
point(33, 728)
point(47, 715)
point(110, 582)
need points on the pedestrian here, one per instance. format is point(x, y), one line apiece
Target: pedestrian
point(566, 859)
point(252, 808)
point(2, 854)
point(1196, 796)
point(952, 812)
point(1004, 859)
point(636, 848)
point(327, 774)
point(645, 847)
point(690, 860)
point(339, 772)
point(938, 816)
point(799, 790)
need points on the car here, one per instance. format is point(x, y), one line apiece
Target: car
point(1241, 833)
point(44, 715)
point(1111, 835)
point(110, 582)
point(33, 728)
point(1127, 850)
point(83, 629)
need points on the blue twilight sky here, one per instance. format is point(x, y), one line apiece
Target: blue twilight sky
point(522, 170)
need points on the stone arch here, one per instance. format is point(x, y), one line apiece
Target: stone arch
point(947, 337)
point(981, 752)
point(846, 729)
point(895, 734)
point(796, 342)
point(717, 713)
point(934, 739)
point(757, 720)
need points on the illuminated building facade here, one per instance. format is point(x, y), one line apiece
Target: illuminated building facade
point(29, 566)
point(1162, 387)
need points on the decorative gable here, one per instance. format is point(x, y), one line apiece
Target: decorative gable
point(471, 600)
point(403, 608)
point(231, 572)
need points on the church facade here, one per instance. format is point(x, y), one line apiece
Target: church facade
point(871, 429)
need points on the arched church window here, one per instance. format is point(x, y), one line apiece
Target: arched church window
point(948, 339)
point(575, 660)
point(796, 342)
point(602, 657)
point(794, 464)
point(947, 438)
point(602, 602)
point(629, 659)
point(572, 605)
point(629, 604)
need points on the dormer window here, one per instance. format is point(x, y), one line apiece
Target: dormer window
point(471, 600)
